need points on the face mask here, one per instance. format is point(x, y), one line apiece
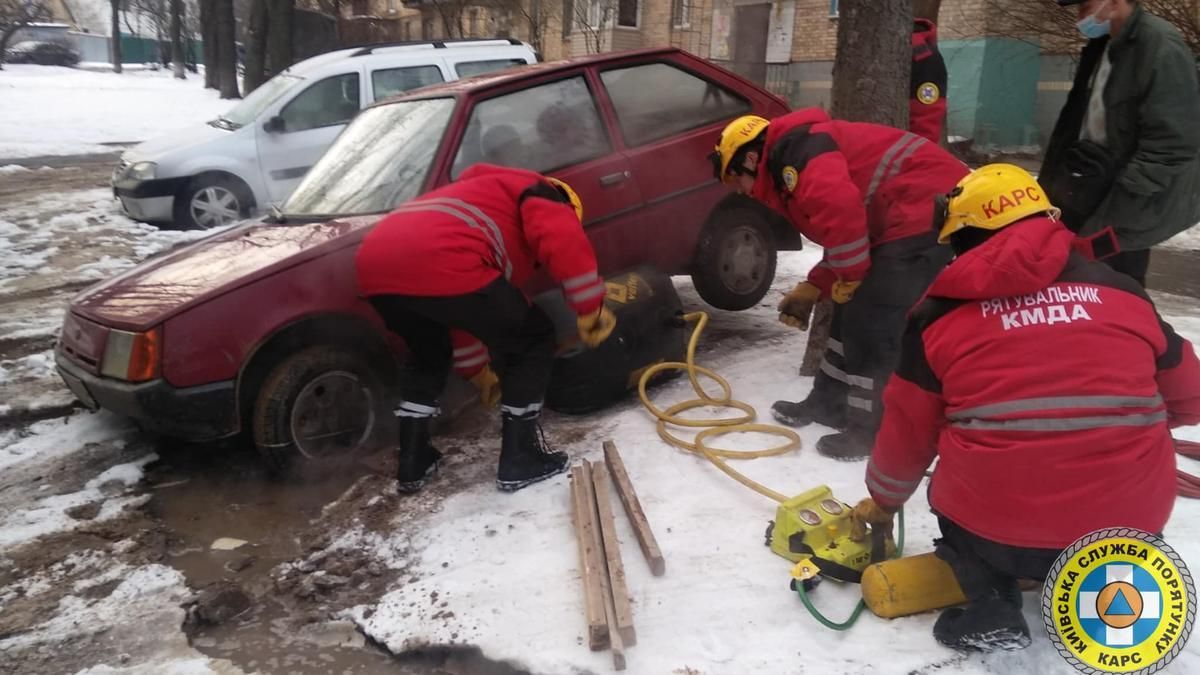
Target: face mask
point(1091, 28)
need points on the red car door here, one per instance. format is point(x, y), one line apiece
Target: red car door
point(667, 136)
point(555, 127)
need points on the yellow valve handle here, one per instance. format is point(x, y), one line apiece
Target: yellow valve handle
point(713, 427)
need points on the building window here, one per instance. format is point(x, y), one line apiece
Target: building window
point(627, 13)
point(359, 7)
point(391, 6)
point(679, 13)
point(427, 29)
point(473, 23)
point(833, 9)
point(406, 31)
point(568, 12)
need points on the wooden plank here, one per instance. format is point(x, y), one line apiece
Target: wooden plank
point(589, 560)
point(633, 508)
point(612, 557)
point(610, 612)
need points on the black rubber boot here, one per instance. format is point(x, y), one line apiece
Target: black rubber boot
point(803, 413)
point(525, 458)
point(846, 446)
point(991, 624)
point(418, 459)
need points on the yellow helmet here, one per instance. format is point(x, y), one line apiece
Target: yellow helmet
point(569, 194)
point(736, 134)
point(989, 198)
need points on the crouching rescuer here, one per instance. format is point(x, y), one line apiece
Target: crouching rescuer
point(447, 268)
point(865, 193)
point(1046, 386)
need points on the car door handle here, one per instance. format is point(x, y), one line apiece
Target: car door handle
point(614, 178)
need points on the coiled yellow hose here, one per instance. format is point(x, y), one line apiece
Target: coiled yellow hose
point(713, 427)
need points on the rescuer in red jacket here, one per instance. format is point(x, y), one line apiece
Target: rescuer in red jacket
point(1046, 385)
point(455, 259)
point(865, 193)
point(928, 82)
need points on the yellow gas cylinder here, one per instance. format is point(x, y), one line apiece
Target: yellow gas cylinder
point(910, 585)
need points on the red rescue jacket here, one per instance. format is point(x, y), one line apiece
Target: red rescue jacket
point(928, 83)
point(461, 237)
point(850, 186)
point(1046, 385)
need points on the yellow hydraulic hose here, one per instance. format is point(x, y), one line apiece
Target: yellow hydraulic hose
point(714, 427)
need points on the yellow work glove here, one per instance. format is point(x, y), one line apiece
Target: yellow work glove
point(844, 290)
point(595, 328)
point(488, 384)
point(867, 512)
point(797, 305)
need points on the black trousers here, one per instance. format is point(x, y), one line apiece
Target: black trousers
point(864, 337)
point(519, 336)
point(1132, 263)
point(984, 567)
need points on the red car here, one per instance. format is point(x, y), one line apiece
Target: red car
point(260, 328)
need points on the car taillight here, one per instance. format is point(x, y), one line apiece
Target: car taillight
point(132, 356)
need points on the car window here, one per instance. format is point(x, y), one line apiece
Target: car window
point(541, 128)
point(333, 100)
point(399, 80)
point(656, 100)
point(469, 68)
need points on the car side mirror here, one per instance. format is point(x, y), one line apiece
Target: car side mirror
point(274, 125)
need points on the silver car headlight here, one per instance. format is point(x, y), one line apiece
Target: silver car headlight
point(142, 171)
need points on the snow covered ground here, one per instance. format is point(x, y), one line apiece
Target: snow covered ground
point(48, 110)
point(501, 571)
point(1188, 240)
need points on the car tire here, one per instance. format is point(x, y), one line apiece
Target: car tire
point(211, 200)
point(319, 409)
point(735, 259)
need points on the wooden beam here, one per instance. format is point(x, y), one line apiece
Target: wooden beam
point(616, 641)
point(589, 559)
point(612, 558)
point(633, 508)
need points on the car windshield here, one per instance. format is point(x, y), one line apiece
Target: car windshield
point(249, 109)
point(377, 163)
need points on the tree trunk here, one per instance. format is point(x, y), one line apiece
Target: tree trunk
point(208, 42)
point(114, 42)
point(177, 38)
point(256, 46)
point(279, 37)
point(227, 77)
point(870, 84)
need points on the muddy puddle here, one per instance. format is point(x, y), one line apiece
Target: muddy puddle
point(264, 622)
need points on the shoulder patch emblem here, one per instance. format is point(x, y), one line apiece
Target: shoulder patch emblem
point(928, 93)
point(790, 177)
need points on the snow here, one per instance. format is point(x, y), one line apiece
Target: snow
point(49, 514)
point(51, 439)
point(500, 571)
point(1188, 240)
point(134, 615)
point(50, 110)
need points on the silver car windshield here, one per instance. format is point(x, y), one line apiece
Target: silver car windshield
point(377, 163)
point(252, 106)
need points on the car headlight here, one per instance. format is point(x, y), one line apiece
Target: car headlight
point(134, 357)
point(143, 171)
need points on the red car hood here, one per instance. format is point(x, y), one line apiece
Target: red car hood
point(164, 286)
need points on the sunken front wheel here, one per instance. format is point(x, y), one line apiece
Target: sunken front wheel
point(735, 260)
point(318, 409)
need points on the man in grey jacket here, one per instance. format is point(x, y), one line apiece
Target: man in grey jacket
point(1123, 161)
